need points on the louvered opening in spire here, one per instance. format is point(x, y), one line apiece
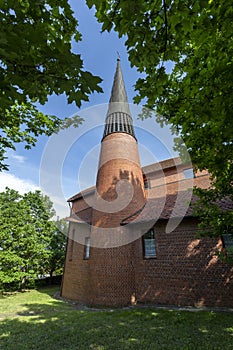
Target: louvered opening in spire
point(118, 116)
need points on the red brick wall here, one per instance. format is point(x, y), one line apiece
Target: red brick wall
point(173, 174)
point(112, 277)
point(105, 279)
point(186, 271)
point(119, 180)
point(76, 275)
point(82, 203)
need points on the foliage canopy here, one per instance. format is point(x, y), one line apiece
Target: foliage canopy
point(29, 239)
point(36, 60)
point(195, 96)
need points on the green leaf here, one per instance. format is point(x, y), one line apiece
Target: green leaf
point(196, 96)
point(37, 61)
point(29, 240)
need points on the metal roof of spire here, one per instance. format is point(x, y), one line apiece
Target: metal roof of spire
point(118, 116)
point(118, 94)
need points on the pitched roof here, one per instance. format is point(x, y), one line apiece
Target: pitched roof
point(177, 205)
point(162, 165)
point(81, 217)
point(88, 191)
point(169, 200)
point(160, 209)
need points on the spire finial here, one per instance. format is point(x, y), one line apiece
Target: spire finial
point(118, 56)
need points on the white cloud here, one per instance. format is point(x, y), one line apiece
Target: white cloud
point(14, 182)
point(14, 158)
point(19, 159)
point(25, 185)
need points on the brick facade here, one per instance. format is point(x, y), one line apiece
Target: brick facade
point(119, 181)
point(186, 271)
point(114, 216)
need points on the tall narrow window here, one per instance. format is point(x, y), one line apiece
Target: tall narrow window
point(149, 244)
point(71, 245)
point(146, 182)
point(227, 240)
point(87, 248)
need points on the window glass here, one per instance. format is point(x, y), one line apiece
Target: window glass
point(228, 243)
point(87, 248)
point(146, 184)
point(149, 244)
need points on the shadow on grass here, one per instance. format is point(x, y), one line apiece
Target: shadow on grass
point(57, 325)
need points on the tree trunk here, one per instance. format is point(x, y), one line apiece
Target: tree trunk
point(22, 283)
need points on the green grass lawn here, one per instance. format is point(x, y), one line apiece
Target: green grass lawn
point(34, 320)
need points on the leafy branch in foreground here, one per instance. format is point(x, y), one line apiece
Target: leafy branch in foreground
point(36, 60)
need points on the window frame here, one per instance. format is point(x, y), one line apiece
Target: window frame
point(146, 182)
point(227, 241)
point(87, 248)
point(147, 256)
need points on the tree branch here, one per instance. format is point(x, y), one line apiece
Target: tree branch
point(166, 24)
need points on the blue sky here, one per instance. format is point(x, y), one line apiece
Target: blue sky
point(28, 169)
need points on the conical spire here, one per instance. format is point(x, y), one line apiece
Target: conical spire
point(118, 116)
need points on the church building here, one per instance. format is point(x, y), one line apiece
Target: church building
point(133, 238)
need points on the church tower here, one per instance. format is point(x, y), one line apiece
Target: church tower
point(99, 267)
point(119, 194)
point(119, 185)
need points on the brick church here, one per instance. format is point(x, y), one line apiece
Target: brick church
point(133, 237)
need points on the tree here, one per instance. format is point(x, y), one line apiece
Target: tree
point(196, 96)
point(57, 249)
point(26, 233)
point(36, 60)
